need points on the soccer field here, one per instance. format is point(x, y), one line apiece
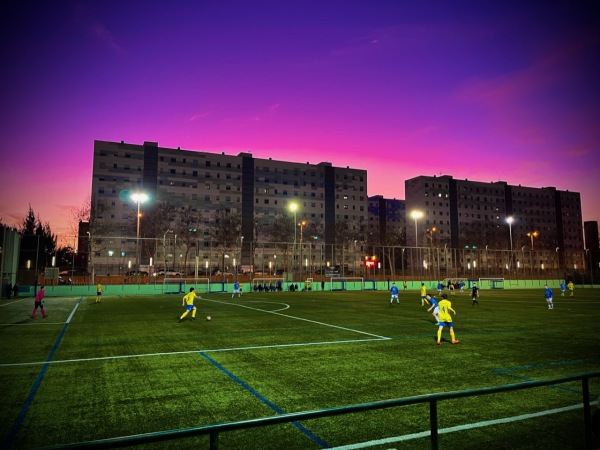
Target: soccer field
point(126, 366)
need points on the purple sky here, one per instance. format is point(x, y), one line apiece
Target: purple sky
point(481, 90)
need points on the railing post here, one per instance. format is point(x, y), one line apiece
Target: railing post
point(433, 424)
point(214, 440)
point(587, 418)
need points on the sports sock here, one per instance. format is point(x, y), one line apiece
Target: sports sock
point(452, 335)
point(439, 334)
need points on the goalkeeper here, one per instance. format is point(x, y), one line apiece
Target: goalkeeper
point(39, 303)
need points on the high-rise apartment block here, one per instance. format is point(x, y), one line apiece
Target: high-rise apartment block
point(259, 190)
point(464, 213)
point(454, 213)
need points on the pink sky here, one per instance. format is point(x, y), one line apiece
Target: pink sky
point(485, 92)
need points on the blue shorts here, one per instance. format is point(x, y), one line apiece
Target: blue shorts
point(448, 324)
point(98, 293)
point(190, 307)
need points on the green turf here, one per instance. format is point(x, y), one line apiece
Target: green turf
point(126, 366)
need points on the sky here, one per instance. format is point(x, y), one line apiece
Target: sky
point(485, 91)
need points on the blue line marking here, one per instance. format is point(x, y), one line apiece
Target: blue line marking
point(12, 434)
point(271, 405)
point(504, 371)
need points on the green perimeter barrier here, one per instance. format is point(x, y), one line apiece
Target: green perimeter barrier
point(432, 399)
point(218, 287)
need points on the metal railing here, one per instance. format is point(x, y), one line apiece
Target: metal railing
point(215, 430)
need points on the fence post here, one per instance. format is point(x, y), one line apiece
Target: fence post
point(214, 440)
point(587, 418)
point(433, 424)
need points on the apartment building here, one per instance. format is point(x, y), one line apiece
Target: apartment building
point(472, 214)
point(259, 190)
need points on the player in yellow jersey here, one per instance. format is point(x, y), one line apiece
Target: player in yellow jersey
point(571, 288)
point(423, 294)
point(445, 319)
point(98, 292)
point(188, 302)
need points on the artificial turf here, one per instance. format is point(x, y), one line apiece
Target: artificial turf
point(126, 366)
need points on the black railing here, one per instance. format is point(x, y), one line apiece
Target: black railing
point(214, 430)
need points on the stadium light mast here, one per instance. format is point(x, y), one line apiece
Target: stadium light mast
point(139, 198)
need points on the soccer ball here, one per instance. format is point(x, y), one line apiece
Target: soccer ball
point(208, 318)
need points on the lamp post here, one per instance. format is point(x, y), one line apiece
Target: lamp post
point(509, 221)
point(241, 252)
point(533, 234)
point(301, 225)
point(416, 215)
point(294, 208)
point(139, 198)
point(557, 264)
point(90, 256)
point(165, 246)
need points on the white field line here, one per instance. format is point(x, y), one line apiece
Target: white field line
point(299, 318)
point(213, 350)
point(15, 301)
point(257, 347)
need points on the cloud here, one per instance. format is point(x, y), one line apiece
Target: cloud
point(199, 116)
point(106, 37)
point(268, 112)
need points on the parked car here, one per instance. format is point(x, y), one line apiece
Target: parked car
point(137, 272)
point(167, 273)
point(62, 280)
point(74, 272)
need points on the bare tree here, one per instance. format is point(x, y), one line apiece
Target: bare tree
point(155, 223)
point(187, 228)
point(225, 231)
point(281, 232)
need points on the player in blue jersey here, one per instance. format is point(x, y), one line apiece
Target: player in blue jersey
point(548, 294)
point(236, 289)
point(435, 307)
point(394, 291)
point(563, 288)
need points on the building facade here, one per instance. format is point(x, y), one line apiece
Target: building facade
point(259, 190)
point(546, 228)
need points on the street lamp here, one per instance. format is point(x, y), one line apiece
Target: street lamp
point(416, 215)
point(533, 234)
point(139, 198)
